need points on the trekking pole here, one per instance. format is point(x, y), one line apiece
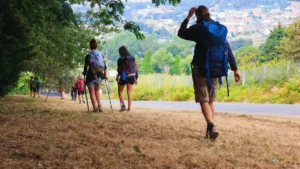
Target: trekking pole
point(87, 102)
point(106, 83)
point(119, 92)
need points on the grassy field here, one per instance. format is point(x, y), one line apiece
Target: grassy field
point(61, 134)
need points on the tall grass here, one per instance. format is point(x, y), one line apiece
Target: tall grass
point(273, 85)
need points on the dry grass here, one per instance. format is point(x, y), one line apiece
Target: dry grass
point(61, 134)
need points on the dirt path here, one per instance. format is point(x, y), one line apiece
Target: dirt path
point(61, 134)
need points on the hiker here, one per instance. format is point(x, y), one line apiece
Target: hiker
point(95, 72)
point(74, 91)
point(205, 88)
point(80, 89)
point(38, 83)
point(33, 86)
point(127, 76)
point(30, 86)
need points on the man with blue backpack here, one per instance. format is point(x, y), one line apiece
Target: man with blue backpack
point(212, 55)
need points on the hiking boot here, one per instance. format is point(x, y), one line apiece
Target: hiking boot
point(123, 108)
point(100, 109)
point(83, 101)
point(211, 131)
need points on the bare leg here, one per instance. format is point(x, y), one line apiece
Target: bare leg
point(206, 112)
point(98, 95)
point(121, 88)
point(212, 108)
point(92, 95)
point(129, 94)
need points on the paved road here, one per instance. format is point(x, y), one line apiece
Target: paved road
point(284, 110)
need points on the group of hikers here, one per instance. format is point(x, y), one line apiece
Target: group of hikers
point(212, 54)
point(95, 71)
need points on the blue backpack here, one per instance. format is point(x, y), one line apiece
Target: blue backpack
point(214, 38)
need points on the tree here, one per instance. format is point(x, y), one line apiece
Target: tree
point(146, 67)
point(289, 47)
point(185, 65)
point(270, 51)
point(45, 36)
point(247, 55)
point(161, 61)
point(174, 69)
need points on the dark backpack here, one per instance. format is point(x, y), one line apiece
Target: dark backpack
point(130, 67)
point(214, 38)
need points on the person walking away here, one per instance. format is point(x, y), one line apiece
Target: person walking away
point(74, 91)
point(95, 72)
point(204, 87)
point(38, 83)
point(80, 88)
point(127, 76)
point(34, 87)
point(30, 86)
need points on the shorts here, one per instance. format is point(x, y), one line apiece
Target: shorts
point(34, 89)
point(80, 92)
point(203, 92)
point(130, 80)
point(94, 82)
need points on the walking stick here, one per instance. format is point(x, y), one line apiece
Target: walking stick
point(106, 81)
point(87, 102)
point(119, 91)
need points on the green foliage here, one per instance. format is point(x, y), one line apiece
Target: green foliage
point(185, 65)
point(269, 49)
point(174, 70)
point(135, 47)
point(247, 56)
point(145, 67)
point(161, 61)
point(234, 45)
point(290, 45)
point(179, 88)
point(22, 86)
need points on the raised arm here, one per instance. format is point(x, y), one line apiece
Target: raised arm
point(187, 33)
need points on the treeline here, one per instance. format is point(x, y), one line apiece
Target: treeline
point(50, 40)
point(282, 43)
point(158, 55)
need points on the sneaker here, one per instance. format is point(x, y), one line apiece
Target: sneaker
point(83, 101)
point(128, 110)
point(123, 108)
point(212, 132)
point(100, 109)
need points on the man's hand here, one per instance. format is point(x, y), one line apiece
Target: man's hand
point(237, 76)
point(191, 13)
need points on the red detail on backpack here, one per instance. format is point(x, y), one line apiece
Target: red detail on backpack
point(130, 67)
point(80, 85)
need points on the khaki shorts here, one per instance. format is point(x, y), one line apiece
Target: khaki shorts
point(203, 92)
